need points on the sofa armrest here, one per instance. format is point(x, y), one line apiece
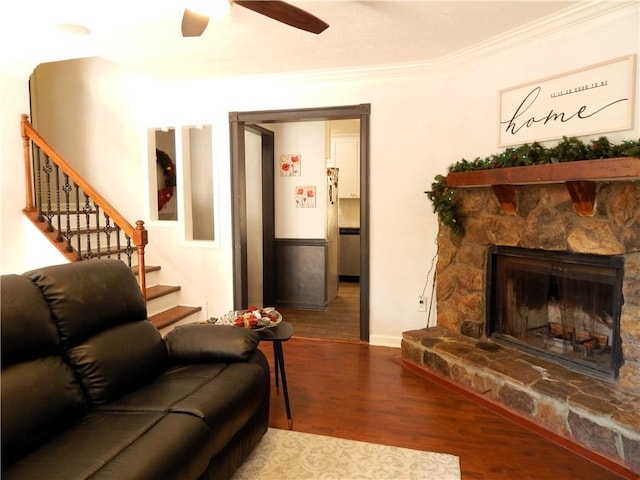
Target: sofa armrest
point(211, 343)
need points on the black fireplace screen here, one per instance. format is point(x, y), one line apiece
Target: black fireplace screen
point(561, 306)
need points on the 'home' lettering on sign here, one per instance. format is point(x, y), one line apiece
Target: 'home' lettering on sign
point(521, 120)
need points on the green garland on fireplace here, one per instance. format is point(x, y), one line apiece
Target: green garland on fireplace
point(570, 149)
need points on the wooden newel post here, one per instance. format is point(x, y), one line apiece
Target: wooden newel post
point(140, 239)
point(27, 163)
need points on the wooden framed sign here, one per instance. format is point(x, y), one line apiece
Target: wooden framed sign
point(590, 100)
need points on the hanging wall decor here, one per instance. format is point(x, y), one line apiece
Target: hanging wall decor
point(591, 100)
point(305, 197)
point(290, 165)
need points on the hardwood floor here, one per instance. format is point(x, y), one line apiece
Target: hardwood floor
point(339, 321)
point(361, 392)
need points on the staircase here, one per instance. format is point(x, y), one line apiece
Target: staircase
point(82, 225)
point(163, 309)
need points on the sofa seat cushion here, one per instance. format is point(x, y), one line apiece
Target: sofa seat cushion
point(176, 449)
point(39, 399)
point(222, 395)
point(227, 403)
point(121, 445)
point(160, 394)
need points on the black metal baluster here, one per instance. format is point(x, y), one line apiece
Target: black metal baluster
point(46, 169)
point(68, 233)
point(129, 250)
point(38, 180)
point(97, 230)
point(87, 214)
point(58, 206)
point(108, 230)
point(118, 230)
point(78, 239)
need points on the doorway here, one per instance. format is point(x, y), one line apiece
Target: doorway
point(240, 123)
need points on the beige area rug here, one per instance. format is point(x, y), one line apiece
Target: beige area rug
point(288, 455)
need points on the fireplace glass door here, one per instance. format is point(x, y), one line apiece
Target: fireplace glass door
point(561, 306)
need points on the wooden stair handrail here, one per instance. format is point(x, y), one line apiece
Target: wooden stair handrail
point(138, 234)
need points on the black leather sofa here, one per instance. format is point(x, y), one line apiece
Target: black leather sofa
point(90, 389)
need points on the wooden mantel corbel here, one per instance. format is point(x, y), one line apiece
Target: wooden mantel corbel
point(583, 196)
point(580, 179)
point(507, 198)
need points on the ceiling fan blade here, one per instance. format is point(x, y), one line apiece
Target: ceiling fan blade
point(193, 24)
point(285, 13)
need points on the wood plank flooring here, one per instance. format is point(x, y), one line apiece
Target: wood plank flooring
point(339, 321)
point(361, 392)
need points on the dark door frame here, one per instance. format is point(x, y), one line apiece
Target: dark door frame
point(238, 123)
point(267, 155)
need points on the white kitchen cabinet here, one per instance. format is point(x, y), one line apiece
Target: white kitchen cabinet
point(345, 150)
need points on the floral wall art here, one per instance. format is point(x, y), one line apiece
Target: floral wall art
point(305, 197)
point(300, 191)
point(290, 165)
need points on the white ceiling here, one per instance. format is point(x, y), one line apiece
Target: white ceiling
point(145, 34)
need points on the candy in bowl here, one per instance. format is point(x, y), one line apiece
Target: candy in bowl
point(253, 317)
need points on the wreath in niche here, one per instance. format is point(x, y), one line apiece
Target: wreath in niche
point(169, 173)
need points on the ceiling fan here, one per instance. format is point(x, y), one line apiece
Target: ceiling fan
point(193, 24)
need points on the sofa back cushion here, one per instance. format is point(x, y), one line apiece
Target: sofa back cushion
point(27, 329)
point(101, 316)
point(88, 297)
point(118, 360)
point(40, 395)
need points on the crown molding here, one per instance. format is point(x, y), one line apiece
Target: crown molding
point(569, 18)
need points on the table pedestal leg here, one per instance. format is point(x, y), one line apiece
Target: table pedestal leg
point(279, 360)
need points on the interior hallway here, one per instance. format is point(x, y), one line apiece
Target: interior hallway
point(339, 321)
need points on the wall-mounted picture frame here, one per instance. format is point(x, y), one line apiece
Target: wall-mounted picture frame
point(593, 100)
point(305, 196)
point(290, 164)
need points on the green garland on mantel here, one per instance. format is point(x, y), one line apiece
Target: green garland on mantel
point(570, 149)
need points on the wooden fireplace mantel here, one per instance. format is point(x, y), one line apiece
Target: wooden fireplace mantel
point(579, 178)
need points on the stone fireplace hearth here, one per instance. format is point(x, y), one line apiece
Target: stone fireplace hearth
point(601, 415)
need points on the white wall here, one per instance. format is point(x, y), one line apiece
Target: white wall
point(306, 139)
point(422, 120)
point(21, 246)
point(88, 106)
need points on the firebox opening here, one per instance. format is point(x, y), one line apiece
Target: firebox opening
point(561, 306)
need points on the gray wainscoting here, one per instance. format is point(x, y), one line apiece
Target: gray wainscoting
point(301, 273)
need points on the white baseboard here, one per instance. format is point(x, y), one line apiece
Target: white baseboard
point(385, 341)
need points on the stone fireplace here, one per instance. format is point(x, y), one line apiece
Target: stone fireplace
point(595, 410)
